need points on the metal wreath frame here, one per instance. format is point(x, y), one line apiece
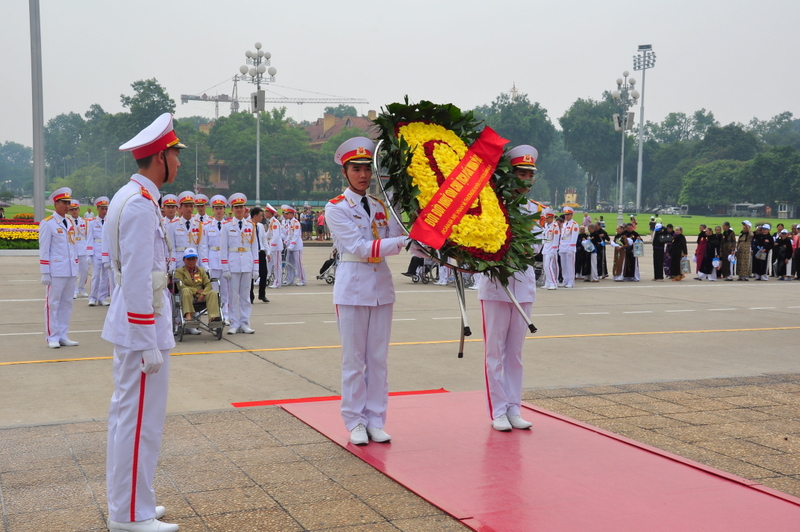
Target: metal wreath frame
point(459, 269)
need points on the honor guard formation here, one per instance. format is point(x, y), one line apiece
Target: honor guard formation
point(150, 254)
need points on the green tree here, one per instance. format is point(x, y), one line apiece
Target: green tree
point(780, 130)
point(341, 111)
point(729, 142)
point(772, 176)
point(590, 138)
point(63, 135)
point(519, 121)
point(677, 127)
point(326, 151)
point(713, 185)
point(16, 166)
point(149, 101)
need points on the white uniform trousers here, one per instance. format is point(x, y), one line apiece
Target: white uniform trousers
point(83, 273)
point(364, 332)
point(101, 282)
point(593, 264)
point(568, 267)
point(295, 258)
point(551, 270)
point(275, 265)
point(58, 308)
point(135, 425)
point(504, 333)
point(239, 302)
point(223, 289)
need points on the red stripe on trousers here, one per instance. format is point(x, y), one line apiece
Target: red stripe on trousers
point(134, 476)
point(47, 310)
point(485, 362)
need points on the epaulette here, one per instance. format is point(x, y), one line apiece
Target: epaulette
point(48, 218)
point(337, 199)
point(379, 201)
point(146, 193)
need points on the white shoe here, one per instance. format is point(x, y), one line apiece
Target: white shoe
point(232, 330)
point(501, 423)
point(150, 525)
point(68, 343)
point(246, 330)
point(299, 283)
point(105, 303)
point(358, 436)
point(191, 330)
point(551, 287)
point(518, 423)
point(92, 302)
point(83, 294)
point(160, 512)
point(273, 286)
point(53, 345)
point(377, 434)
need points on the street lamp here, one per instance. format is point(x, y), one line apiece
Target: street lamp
point(645, 59)
point(259, 63)
point(625, 96)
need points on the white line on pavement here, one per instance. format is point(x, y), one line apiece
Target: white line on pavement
point(404, 319)
point(714, 309)
point(286, 323)
point(591, 313)
point(761, 308)
point(684, 310)
point(448, 318)
point(638, 312)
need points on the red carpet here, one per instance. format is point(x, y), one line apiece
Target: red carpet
point(561, 475)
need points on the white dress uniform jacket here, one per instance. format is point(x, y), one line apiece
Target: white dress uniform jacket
point(59, 259)
point(240, 258)
point(99, 255)
point(191, 237)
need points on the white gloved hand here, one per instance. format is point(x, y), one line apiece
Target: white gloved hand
point(417, 250)
point(255, 275)
point(46, 280)
point(151, 361)
point(226, 275)
point(107, 265)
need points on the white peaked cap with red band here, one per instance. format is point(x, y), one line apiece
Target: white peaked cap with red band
point(156, 137)
point(357, 150)
point(523, 156)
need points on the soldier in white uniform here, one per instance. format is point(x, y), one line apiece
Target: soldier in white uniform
point(213, 232)
point(363, 293)
point(100, 272)
point(58, 264)
point(567, 247)
point(139, 324)
point(200, 203)
point(550, 240)
point(240, 264)
point(185, 232)
point(274, 246)
point(169, 204)
point(293, 241)
point(504, 329)
point(81, 242)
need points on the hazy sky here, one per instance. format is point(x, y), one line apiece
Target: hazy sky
point(738, 59)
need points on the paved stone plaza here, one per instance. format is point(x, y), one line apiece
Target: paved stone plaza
point(707, 371)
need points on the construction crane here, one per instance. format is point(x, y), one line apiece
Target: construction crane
point(234, 99)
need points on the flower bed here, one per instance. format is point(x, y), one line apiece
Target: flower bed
point(19, 234)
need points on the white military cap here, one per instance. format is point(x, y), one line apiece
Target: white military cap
point(523, 156)
point(287, 208)
point(74, 203)
point(200, 199)
point(185, 197)
point(568, 210)
point(271, 208)
point(218, 201)
point(548, 212)
point(63, 193)
point(357, 150)
point(156, 137)
point(102, 201)
point(169, 199)
point(237, 199)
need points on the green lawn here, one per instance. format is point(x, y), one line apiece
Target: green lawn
point(48, 207)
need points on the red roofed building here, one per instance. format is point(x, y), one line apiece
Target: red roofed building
point(330, 126)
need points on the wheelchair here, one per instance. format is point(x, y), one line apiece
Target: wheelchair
point(328, 270)
point(287, 272)
point(201, 320)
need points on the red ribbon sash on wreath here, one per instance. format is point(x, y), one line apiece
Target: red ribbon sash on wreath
point(459, 191)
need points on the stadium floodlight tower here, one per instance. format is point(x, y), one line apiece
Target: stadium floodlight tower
point(646, 58)
point(625, 96)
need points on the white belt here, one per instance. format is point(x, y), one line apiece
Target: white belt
point(98, 240)
point(214, 248)
point(351, 257)
point(239, 250)
point(180, 249)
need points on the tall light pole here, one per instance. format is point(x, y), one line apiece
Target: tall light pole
point(646, 58)
point(625, 96)
point(258, 61)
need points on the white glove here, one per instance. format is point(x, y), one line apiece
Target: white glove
point(151, 361)
point(107, 265)
point(255, 275)
point(417, 250)
point(46, 279)
point(226, 275)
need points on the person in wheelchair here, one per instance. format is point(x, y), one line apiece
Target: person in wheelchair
point(196, 288)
